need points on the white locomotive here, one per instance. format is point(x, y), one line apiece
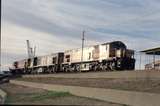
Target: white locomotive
point(107, 56)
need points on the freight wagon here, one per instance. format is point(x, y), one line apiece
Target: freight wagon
point(107, 56)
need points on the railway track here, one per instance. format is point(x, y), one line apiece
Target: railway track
point(118, 74)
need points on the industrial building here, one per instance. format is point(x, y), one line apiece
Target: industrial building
point(155, 64)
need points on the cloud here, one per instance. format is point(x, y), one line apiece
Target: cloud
point(14, 42)
point(56, 25)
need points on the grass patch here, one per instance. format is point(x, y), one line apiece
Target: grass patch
point(8, 99)
point(49, 95)
point(33, 97)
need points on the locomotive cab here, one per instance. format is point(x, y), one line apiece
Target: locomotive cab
point(123, 58)
point(117, 49)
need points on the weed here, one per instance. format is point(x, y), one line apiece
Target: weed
point(50, 94)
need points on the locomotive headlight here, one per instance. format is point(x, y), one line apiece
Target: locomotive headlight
point(119, 62)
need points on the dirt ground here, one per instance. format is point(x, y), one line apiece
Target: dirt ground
point(31, 96)
point(138, 84)
point(0, 100)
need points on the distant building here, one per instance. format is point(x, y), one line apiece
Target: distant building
point(153, 65)
point(156, 63)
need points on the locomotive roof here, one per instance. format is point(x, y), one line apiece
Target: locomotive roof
point(21, 60)
point(113, 42)
point(120, 42)
point(49, 54)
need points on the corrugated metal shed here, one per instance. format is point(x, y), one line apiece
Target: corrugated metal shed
point(154, 64)
point(153, 51)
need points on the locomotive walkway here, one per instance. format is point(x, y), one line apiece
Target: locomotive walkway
point(111, 95)
point(118, 74)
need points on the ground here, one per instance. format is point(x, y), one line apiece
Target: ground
point(0, 100)
point(132, 84)
point(27, 95)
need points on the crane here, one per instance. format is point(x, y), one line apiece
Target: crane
point(30, 51)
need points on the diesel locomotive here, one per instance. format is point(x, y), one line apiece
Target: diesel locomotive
point(107, 56)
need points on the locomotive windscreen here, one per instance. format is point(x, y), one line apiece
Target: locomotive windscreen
point(114, 46)
point(118, 45)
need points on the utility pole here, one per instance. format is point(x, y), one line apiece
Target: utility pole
point(82, 48)
point(154, 60)
point(34, 52)
point(140, 58)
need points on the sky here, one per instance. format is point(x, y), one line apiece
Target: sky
point(57, 25)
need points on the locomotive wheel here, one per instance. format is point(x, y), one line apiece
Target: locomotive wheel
point(29, 71)
point(112, 66)
point(100, 67)
point(53, 70)
point(65, 69)
point(119, 63)
point(104, 68)
point(78, 68)
point(94, 68)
